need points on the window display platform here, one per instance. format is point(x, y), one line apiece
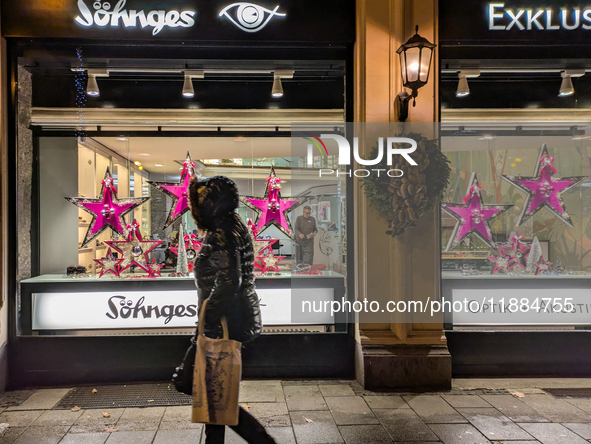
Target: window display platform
point(58, 304)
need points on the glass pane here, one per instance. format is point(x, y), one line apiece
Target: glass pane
point(412, 60)
point(426, 54)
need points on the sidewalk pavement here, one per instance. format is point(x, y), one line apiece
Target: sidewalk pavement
point(475, 411)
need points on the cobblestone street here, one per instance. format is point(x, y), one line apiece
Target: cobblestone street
point(475, 411)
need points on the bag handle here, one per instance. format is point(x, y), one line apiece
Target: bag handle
point(201, 325)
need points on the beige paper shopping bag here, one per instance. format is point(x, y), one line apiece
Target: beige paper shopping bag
point(216, 381)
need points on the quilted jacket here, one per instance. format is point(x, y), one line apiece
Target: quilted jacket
point(224, 266)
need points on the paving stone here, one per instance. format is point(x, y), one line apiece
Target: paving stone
point(137, 426)
point(583, 404)
point(583, 430)
point(350, 410)
point(177, 437)
point(177, 413)
point(58, 417)
point(386, 402)
point(514, 409)
point(364, 434)
point(433, 409)
point(459, 434)
point(130, 438)
point(336, 390)
point(270, 414)
point(85, 438)
point(283, 435)
point(465, 401)
point(179, 425)
point(20, 419)
point(11, 434)
point(494, 425)
point(16, 397)
point(304, 397)
point(552, 433)
point(42, 435)
point(315, 427)
point(404, 425)
point(91, 416)
point(42, 400)
point(261, 391)
point(143, 414)
point(557, 410)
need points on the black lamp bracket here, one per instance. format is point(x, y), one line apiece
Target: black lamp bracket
point(401, 104)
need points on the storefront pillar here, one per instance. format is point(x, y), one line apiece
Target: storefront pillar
point(408, 352)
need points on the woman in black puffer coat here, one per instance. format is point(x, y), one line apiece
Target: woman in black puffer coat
point(225, 277)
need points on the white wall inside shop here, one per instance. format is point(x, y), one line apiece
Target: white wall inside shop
point(58, 178)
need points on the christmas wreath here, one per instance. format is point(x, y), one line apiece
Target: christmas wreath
point(402, 200)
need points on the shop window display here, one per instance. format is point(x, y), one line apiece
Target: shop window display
point(120, 215)
point(517, 206)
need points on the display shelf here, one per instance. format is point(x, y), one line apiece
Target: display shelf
point(448, 275)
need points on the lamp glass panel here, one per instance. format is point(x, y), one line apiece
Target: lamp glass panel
point(403, 66)
point(413, 62)
point(425, 64)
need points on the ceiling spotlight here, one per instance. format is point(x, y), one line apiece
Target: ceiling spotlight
point(463, 88)
point(277, 90)
point(188, 90)
point(92, 88)
point(566, 86)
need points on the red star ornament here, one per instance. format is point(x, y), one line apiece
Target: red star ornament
point(107, 210)
point(269, 262)
point(192, 245)
point(109, 264)
point(502, 262)
point(135, 249)
point(178, 191)
point(154, 268)
point(542, 266)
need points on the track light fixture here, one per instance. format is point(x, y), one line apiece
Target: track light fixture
point(188, 90)
point(277, 90)
point(566, 86)
point(92, 88)
point(463, 88)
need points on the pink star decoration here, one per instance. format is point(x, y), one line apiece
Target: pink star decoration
point(178, 191)
point(518, 251)
point(272, 209)
point(154, 268)
point(134, 250)
point(107, 210)
point(259, 246)
point(192, 245)
point(472, 216)
point(543, 189)
point(269, 262)
point(502, 262)
point(542, 266)
point(109, 264)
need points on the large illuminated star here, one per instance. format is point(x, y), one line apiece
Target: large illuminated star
point(543, 189)
point(472, 216)
point(107, 210)
point(178, 191)
point(134, 250)
point(272, 209)
point(109, 264)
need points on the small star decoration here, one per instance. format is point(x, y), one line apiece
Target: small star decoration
point(135, 249)
point(109, 264)
point(269, 262)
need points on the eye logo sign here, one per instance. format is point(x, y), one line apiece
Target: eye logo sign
point(250, 17)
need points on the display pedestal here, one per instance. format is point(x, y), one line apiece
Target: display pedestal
point(406, 367)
